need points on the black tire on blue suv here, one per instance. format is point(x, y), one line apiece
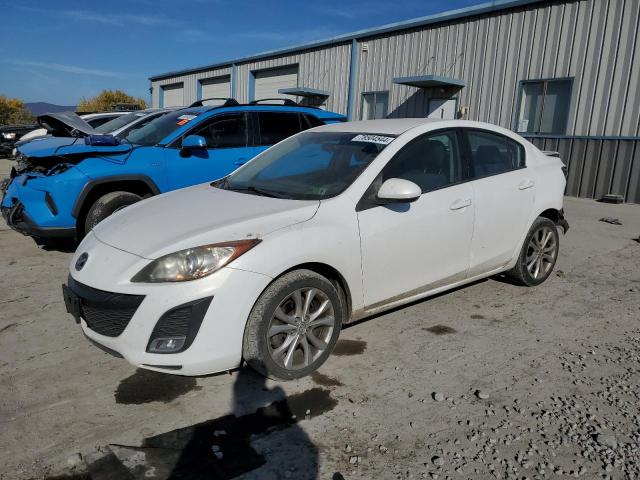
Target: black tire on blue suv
point(106, 205)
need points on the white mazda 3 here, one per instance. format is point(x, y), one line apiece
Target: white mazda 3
point(327, 227)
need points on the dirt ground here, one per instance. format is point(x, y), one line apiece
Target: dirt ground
point(488, 381)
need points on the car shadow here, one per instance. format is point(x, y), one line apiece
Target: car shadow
point(260, 439)
point(57, 245)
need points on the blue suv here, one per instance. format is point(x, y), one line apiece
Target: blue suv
point(62, 187)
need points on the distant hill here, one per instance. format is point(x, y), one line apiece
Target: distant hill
point(38, 108)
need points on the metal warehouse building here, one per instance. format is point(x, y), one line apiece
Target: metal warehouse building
point(563, 73)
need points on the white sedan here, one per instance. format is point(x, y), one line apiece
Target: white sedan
point(327, 227)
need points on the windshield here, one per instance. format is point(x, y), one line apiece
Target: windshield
point(159, 128)
point(309, 166)
point(118, 122)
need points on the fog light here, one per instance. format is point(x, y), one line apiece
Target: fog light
point(166, 344)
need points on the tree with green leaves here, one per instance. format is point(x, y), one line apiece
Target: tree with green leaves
point(13, 111)
point(109, 100)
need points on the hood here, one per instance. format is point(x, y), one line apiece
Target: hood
point(57, 146)
point(197, 216)
point(65, 124)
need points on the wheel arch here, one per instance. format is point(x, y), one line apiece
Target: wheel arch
point(330, 273)
point(140, 185)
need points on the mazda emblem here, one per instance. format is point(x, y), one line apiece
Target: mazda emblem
point(82, 260)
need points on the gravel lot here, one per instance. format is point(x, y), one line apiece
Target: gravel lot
point(488, 381)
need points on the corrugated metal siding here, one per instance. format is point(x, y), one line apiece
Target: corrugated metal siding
point(597, 167)
point(322, 69)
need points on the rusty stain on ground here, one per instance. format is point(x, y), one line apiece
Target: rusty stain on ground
point(440, 330)
point(349, 347)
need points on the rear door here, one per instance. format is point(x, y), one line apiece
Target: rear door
point(504, 192)
point(227, 137)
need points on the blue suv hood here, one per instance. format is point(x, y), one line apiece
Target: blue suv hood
point(50, 146)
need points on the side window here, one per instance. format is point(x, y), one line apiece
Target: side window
point(492, 153)
point(276, 126)
point(224, 131)
point(312, 121)
point(431, 161)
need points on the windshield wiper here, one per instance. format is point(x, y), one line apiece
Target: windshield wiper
point(256, 190)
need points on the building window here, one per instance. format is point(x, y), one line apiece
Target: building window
point(544, 106)
point(375, 105)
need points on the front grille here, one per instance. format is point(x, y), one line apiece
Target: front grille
point(106, 313)
point(107, 321)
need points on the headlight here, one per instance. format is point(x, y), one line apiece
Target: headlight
point(9, 136)
point(193, 263)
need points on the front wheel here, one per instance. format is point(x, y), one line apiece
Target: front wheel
point(293, 326)
point(106, 205)
point(538, 255)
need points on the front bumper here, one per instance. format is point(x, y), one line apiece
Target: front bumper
point(217, 344)
point(18, 220)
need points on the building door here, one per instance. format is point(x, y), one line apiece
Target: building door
point(268, 82)
point(443, 108)
point(172, 95)
point(219, 87)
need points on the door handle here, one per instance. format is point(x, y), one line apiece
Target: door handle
point(459, 204)
point(525, 184)
point(241, 161)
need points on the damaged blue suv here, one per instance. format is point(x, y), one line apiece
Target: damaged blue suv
point(62, 187)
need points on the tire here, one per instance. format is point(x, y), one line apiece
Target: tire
point(273, 356)
point(106, 205)
point(535, 265)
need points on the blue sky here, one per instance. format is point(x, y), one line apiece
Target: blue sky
point(61, 50)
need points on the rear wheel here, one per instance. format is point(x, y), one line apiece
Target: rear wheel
point(538, 255)
point(293, 326)
point(107, 205)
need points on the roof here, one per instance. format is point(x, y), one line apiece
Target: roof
point(483, 8)
point(424, 81)
point(390, 126)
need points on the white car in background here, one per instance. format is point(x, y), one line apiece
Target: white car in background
point(95, 120)
point(327, 227)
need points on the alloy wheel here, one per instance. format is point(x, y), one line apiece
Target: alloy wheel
point(541, 252)
point(301, 328)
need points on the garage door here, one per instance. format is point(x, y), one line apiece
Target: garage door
point(219, 87)
point(173, 95)
point(268, 82)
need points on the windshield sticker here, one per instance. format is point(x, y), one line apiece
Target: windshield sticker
point(184, 119)
point(382, 140)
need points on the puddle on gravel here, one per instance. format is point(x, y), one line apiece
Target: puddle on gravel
point(325, 380)
point(349, 347)
point(440, 330)
point(146, 386)
point(477, 316)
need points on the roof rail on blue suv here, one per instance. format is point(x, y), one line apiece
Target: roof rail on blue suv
point(63, 187)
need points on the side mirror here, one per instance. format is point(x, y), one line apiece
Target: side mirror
point(398, 190)
point(191, 143)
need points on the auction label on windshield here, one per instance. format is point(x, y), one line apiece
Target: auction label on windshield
point(382, 140)
point(182, 119)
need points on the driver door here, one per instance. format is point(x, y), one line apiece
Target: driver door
point(228, 147)
point(412, 247)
